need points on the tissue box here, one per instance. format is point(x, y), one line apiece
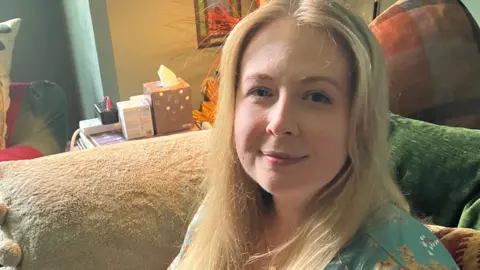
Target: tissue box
point(139, 97)
point(171, 106)
point(136, 119)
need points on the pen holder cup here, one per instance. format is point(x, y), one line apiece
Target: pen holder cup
point(106, 116)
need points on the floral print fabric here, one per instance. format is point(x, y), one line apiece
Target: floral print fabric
point(397, 243)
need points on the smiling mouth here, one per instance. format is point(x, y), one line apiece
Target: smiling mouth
point(282, 159)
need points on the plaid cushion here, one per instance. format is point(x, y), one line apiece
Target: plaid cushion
point(463, 245)
point(42, 119)
point(433, 59)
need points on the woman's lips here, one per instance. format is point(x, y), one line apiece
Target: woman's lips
point(282, 159)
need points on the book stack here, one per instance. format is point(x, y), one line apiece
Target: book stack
point(93, 134)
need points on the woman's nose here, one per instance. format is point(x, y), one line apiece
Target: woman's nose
point(281, 120)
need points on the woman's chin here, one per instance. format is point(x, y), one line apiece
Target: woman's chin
point(277, 185)
point(289, 186)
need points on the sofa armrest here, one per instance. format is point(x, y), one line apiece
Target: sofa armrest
point(121, 206)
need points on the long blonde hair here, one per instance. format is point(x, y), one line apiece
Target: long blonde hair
point(231, 225)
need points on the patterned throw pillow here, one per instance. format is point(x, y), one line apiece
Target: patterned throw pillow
point(8, 33)
point(433, 59)
point(463, 244)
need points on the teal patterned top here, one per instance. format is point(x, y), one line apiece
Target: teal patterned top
point(399, 242)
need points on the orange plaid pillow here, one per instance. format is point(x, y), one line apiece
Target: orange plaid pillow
point(463, 244)
point(433, 59)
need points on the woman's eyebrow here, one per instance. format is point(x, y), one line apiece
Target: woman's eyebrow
point(314, 79)
point(258, 76)
point(304, 80)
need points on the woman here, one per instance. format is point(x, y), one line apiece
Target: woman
point(299, 170)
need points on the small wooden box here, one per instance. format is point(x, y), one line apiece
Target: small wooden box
point(171, 106)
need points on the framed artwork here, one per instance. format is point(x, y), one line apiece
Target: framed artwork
point(215, 19)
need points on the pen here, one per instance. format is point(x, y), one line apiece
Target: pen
point(108, 103)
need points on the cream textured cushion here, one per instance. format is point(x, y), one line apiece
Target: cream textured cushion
point(123, 206)
point(8, 33)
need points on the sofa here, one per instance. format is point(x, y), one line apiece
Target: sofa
point(127, 206)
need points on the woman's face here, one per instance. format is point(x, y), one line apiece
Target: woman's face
point(292, 109)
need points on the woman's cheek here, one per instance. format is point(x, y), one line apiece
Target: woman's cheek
point(250, 125)
point(250, 117)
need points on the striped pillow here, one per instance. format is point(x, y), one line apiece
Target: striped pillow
point(463, 244)
point(8, 33)
point(433, 59)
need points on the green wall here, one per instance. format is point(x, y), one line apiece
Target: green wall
point(106, 61)
point(84, 53)
point(41, 49)
point(96, 75)
point(57, 42)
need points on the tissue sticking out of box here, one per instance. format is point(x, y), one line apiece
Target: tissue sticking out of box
point(167, 77)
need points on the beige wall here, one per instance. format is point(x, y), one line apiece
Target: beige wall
point(147, 33)
point(363, 8)
point(384, 4)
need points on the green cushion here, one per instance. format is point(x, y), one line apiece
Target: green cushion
point(438, 169)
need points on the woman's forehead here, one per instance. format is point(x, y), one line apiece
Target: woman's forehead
point(283, 46)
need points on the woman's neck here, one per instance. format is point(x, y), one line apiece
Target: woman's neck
point(280, 226)
point(290, 209)
point(287, 214)
point(284, 220)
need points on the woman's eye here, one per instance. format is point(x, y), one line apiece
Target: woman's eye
point(319, 97)
point(260, 92)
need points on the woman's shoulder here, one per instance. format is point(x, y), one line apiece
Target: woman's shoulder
point(191, 229)
point(193, 225)
point(394, 239)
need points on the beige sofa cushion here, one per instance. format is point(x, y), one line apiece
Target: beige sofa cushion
point(124, 206)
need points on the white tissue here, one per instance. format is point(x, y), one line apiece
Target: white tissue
point(167, 77)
